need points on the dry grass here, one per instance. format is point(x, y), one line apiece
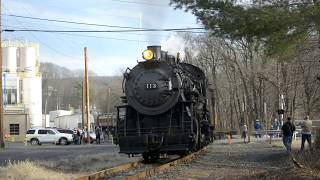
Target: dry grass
point(88, 163)
point(28, 171)
point(311, 158)
point(61, 169)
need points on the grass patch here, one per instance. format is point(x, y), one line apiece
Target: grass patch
point(26, 170)
point(60, 168)
point(87, 163)
point(311, 158)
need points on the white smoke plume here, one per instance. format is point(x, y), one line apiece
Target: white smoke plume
point(173, 45)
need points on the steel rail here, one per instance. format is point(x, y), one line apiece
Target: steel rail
point(111, 171)
point(143, 174)
point(162, 168)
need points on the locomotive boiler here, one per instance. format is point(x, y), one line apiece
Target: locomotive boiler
point(164, 109)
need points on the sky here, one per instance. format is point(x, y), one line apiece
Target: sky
point(108, 53)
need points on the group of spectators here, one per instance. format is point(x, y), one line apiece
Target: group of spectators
point(288, 129)
point(81, 136)
point(257, 130)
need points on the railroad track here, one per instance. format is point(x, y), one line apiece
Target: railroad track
point(139, 170)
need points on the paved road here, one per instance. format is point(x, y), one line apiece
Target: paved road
point(47, 152)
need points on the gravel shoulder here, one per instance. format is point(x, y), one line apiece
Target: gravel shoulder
point(256, 160)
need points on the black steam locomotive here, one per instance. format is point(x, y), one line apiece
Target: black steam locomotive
point(165, 107)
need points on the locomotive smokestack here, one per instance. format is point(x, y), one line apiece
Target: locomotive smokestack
point(156, 50)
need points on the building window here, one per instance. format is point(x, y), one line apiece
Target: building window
point(14, 129)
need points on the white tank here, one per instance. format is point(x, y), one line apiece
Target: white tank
point(32, 98)
point(27, 58)
point(9, 55)
point(54, 114)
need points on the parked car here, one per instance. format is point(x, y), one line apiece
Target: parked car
point(47, 135)
point(68, 131)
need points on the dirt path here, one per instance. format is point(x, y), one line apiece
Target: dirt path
point(257, 160)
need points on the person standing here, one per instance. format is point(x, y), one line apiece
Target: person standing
point(78, 137)
point(84, 135)
point(306, 126)
point(244, 131)
point(287, 129)
point(257, 128)
point(98, 134)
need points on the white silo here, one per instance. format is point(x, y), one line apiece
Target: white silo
point(32, 83)
point(32, 98)
point(9, 55)
point(23, 85)
point(27, 58)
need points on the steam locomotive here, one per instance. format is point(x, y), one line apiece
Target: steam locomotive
point(164, 109)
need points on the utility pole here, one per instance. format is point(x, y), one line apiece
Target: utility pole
point(87, 91)
point(83, 104)
point(1, 94)
point(109, 94)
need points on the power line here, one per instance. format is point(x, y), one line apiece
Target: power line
point(107, 31)
point(66, 42)
point(100, 37)
point(58, 26)
point(92, 36)
point(70, 22)
point(82, 23)
point(45, 44)
point(39, 24)
point(74, 22)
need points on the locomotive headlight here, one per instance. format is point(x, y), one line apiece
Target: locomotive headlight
point(147, 55)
